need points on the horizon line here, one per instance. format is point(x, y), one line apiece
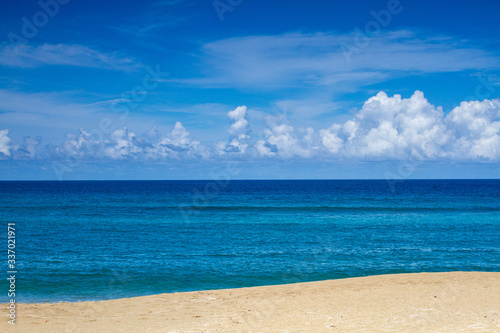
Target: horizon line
point(238, 179)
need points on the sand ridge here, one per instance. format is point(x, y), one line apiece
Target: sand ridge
point(420, 302)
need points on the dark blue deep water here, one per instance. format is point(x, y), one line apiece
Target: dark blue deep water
point(101, 240)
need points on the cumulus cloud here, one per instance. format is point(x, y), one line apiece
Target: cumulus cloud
point(264, 148)
point(20, 151)
point(28, 149)
point(385, 128)
point(394, 128)
point(476, 128)
point(239, 131)
point(283, 140)
point(240, 122)
point(124, 144)
point(4, 144)
point(77, 145)
point(281, 137)
point(391, 127)
point(331, 139)
point(179, 144)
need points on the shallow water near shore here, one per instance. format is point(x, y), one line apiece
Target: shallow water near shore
point(95, 240)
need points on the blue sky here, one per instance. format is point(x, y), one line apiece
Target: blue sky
point(186, 89)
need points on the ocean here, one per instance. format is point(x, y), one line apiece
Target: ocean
point(96, 240)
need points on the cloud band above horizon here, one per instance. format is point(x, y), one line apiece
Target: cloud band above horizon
point(385, 128)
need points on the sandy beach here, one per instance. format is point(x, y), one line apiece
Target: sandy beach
point(423, 302)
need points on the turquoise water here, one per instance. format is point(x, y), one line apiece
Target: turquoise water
point(101, 240)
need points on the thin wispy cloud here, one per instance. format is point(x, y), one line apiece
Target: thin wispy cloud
point(43, 104)
point(28, 56)
point(297, 59)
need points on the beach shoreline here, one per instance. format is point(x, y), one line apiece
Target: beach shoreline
point(416, 302)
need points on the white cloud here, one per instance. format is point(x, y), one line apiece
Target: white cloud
point(281, 139)
point(20, 151)
point(69, 111)
point(394, 128)
point(264, 148)
point(239, 131)
point(27, 56)
point(390, 127)
point(477, 129)
point(385, 128)
point(28, 149)
point(316, 59)
point(281, 136)
point(240, 123)
point(179, 144)
point(4, 143)
point(124, 144)
point(330, 138)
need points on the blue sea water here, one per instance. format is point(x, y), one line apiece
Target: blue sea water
point(94, 240)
